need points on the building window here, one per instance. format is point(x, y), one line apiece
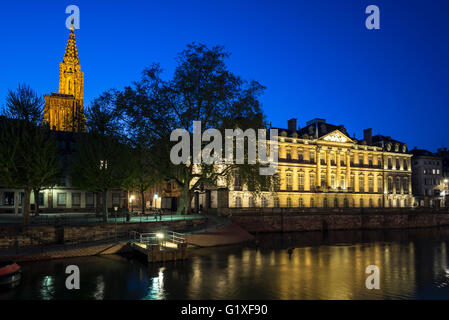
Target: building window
point(333, 182)
point(76, 199)
point(379, 203)
point(301, 181)
point(276, 202)
point(397, 164)
point(251, 202)
point(289, 202)
point(312, 156)
point(370, 160)
point(300, 155)
point(361, 184)
point(361, 203)
point(89, 199)
point(325, 202)
point(264, 202)
point(342, 182)
point(405, 165)
point(390, 184)
point(238, 202)
point(289, 153)
point(351, 183)
point(371, 184)
point(312, 181)
point(323, 181)
point(342, 159)
point(289, 180)
point(300, 203)
point(405, 185)
point(62, 199)
point(346, 203)
point(116, 199)
point(237, 181)
point(398, 185)
point(8, 199)
point(41, 198)
point(312, 202)
point(371, 205)
point(379, 184)
point(390, 166)
point(335, 202)
point(352, 159)
point(322, 158)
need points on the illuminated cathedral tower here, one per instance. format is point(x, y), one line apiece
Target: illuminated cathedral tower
point(64, 110)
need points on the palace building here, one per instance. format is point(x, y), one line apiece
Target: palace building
point(321, 166)
point(64, 110)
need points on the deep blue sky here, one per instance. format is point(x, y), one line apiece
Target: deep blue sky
point(316, 58)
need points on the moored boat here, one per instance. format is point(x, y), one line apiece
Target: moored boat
point(10, 274)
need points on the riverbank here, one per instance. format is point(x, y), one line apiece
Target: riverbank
point(340, 220)
point(228, 235)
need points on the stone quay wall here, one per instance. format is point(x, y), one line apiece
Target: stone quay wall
point(18, 236)
point(307, 221)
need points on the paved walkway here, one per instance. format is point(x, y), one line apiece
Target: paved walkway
point(77, 218)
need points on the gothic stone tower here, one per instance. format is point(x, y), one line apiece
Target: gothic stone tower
point(64, 110)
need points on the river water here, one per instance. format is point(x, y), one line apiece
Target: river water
point(413, 264)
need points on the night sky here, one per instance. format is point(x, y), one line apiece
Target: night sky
point(316, 58)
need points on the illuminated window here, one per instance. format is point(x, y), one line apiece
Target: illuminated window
point(312, 181)
point(62, 199)
point(361, 184)
point(301, 181)
point(289, 180)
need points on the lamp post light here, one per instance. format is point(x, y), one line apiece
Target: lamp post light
point(131, 198)
point(115, 210)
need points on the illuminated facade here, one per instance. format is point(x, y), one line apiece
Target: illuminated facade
point(321, 166)
point(64, 110)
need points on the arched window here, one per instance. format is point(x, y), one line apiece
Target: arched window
point(238, 202)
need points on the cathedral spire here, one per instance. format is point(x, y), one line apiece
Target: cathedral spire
point(71, 52)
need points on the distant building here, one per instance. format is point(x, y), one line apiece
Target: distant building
point(427, 179)
point(64, 110)
point(321, 166)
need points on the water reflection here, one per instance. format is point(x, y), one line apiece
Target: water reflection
point(413, 265)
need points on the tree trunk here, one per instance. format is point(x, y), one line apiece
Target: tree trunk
point(26, 207)
point(105, 205)
point(185, 201)
point(36, 201)
point(143, 201)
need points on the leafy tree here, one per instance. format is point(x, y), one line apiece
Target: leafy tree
point(24, 104)
point(202, 89)
point(99, 164)
point(28, 159)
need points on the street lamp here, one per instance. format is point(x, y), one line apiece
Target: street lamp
point(131, 198)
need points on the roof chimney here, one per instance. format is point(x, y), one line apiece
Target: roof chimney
point(368, 136)
point(292, 124)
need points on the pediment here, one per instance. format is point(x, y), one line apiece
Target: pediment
point(336, 136)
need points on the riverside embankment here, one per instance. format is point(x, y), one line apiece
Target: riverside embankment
point(294, 221)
